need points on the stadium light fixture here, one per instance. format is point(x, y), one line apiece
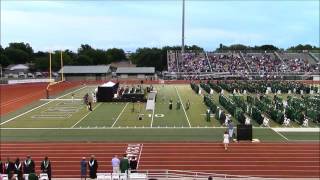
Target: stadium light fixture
point(183, 13)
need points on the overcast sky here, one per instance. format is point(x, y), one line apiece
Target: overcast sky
point(49, 25)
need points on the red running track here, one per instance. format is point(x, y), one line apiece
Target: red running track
point(16, 96)
point(260, 159)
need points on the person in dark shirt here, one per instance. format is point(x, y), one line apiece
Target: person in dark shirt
point(18, 168)
point(93, 167)
point(46, 167)
point(133, 164)
point(28, 165)
point(1, 167)
point(83, 167)
point(8, 167)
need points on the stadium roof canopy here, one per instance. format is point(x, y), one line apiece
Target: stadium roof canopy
point(98, 69)
point(135, 70)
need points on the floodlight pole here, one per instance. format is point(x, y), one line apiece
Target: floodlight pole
point(62, 78)
point(50, 66)
point(183, 9)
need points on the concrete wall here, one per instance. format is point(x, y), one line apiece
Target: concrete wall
point(72, 77)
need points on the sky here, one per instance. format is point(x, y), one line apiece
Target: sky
point(130, 24)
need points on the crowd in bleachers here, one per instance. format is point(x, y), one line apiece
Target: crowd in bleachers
point(227, 62)
point(240, 63)
point(262, 62)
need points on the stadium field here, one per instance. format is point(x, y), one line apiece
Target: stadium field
point(63, 118)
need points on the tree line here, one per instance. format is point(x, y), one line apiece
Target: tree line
point(266, 47)
point(21, 53)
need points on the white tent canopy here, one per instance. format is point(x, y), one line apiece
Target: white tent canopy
point(108, 84)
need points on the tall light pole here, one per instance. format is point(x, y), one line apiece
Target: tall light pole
point(61, 59)
point(183, 7)
point(50, 66)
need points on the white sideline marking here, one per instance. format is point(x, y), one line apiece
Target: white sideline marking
point(119, 115)
point(297, 129)
point(85, 116)
point(183, 106)
point(139, 156)
point(280, 134)
point(38, 107)
point(153, 114)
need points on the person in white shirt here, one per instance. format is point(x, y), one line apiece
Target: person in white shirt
point(115, 164)
point(226, 121)
point(226, 140)
point(265, 122)
point(247, 121)
point(305, 122)
point(286, 121)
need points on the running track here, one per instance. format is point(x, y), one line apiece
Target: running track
point(254, 159)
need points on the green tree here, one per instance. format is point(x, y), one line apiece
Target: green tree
point(83, 60)
point(23, 47)
point(17, 56)
point(115, 55)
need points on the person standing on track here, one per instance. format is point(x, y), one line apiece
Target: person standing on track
point(83, 167)
point(28, 166)
point(8, 167)
point(93, 167)
point(18, 168)
point(133, 164)
point(115, 162)
point(226, 140)
point(230, 130)
point(124, 164)
point(46, 167)
point(1, 167)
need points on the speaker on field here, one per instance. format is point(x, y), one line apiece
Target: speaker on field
point(244, 132)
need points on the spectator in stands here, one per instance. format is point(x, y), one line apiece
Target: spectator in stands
point(133, 164)
point(247, 121)
point(226, 140)
point(83, 168)
point(46, 167)
point(265, 122)
point(8, 167)
point(28, 165)
point(124, 164)
point(115, 164)
point(18, 168)
point(93, 167)
point(305, 121)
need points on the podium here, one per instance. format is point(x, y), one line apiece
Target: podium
point(244, 132)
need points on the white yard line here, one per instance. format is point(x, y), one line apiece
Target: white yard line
point(38, 107)
point(85, 116)
point(153, 115)
point(139, 156)
point(183, 106)
point(280, 134)
point(119, 115)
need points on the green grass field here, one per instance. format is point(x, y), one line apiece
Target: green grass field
point(64, 119)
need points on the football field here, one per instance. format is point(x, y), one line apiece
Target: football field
point(67, 118)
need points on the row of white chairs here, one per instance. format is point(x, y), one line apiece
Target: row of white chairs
point(121, 176)
point(42, 176)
